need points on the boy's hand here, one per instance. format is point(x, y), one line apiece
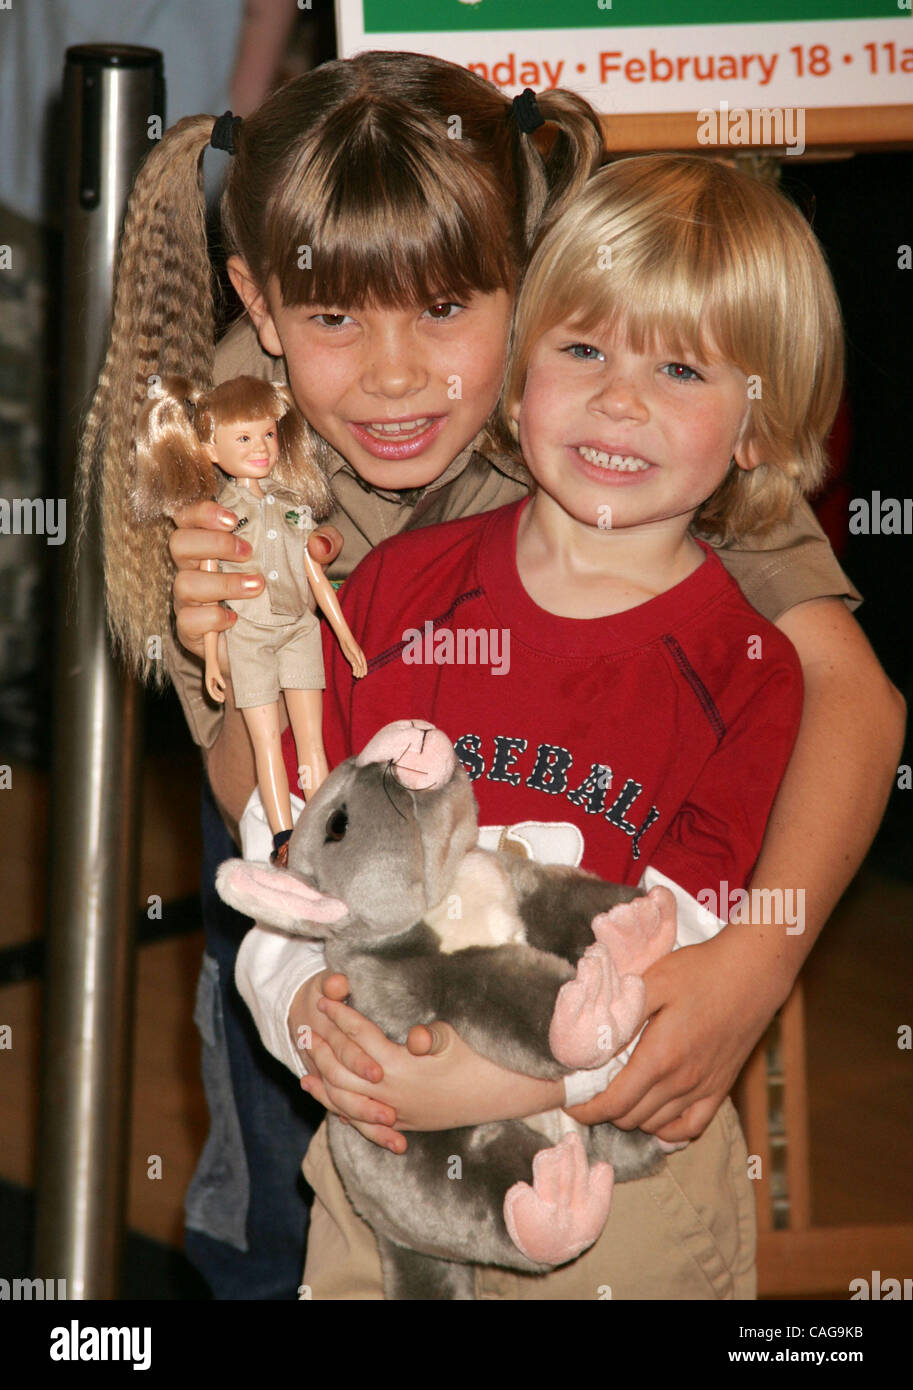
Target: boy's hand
point(707, 1012)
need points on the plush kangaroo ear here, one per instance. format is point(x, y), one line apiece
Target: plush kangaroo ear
point(277, 898)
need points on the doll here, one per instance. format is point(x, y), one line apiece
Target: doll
point(244, 441)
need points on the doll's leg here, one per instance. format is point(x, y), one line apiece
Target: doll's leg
point(305, 712)
point(263, 726)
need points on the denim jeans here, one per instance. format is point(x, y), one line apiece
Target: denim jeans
point(247, 1207)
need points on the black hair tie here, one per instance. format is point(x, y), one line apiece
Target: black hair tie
point(223, 132)
point(526, 113)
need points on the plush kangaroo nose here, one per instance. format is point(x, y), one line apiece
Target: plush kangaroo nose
point(421, 756)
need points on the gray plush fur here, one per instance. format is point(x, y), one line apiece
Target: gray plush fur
point(388, 856)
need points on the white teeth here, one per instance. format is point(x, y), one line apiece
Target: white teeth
point(618, 463)
point(407, 428)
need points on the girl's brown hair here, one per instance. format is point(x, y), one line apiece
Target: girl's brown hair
point(388, 178)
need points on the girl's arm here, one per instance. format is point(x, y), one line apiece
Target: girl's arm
point(711, 1003)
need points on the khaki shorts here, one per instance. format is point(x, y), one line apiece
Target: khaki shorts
point(264, 660)
point(686, 1233)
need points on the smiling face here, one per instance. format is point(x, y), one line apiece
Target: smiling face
point(640, 433)
point(398, 392)
point(248, 449)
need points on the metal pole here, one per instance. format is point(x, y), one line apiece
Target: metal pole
point(109, 93)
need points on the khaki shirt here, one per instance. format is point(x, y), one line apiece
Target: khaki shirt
point(277, 526)
point(790, 564)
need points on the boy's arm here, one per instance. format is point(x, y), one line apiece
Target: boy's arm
point(711, 1003)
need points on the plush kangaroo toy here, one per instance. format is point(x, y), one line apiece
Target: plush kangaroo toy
point(537, 967)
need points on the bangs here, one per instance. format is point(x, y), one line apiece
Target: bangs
point(386, 215)
point(244, 398)
point(673, 255)
point(668, 284)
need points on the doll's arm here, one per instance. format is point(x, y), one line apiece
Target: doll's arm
point(215, 684)
point(326, 598)
point(710, 1003)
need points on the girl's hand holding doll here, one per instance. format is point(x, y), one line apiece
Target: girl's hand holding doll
point(203, 531)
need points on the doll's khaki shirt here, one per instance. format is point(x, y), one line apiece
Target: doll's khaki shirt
point(788, 565)
point(277, 527)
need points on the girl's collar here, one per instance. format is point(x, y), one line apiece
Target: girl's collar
point(504, 463)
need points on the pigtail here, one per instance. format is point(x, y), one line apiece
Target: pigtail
point(298, 466)
point(548, 183)
point(172, 466)
point(163, 322)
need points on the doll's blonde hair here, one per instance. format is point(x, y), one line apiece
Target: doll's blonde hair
point(405, 179)
point(173, 468)
point(689, 253)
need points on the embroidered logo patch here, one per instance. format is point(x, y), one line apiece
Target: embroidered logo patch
point(300, 518)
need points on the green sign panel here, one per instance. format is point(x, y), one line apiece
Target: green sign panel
point(427, 16)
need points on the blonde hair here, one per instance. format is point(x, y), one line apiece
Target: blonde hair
point(173, 468)
point(686, 252)
point(405, 178)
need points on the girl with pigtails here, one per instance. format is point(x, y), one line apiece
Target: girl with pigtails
point(377, 245)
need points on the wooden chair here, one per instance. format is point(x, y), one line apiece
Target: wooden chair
point(795, 1257)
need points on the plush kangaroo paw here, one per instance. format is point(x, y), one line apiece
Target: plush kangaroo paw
point(565, 1209)
point(639, 932)
point(596, 1013)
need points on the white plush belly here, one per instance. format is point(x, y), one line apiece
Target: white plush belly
point(479, 910)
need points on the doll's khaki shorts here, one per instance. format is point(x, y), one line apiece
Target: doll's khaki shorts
point(686, 1233)
point(264, 660)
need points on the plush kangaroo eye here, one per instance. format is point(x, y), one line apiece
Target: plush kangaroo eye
point(337, 825)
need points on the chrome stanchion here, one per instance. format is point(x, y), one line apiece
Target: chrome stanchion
point(109, 94)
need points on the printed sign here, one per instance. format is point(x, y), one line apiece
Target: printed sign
point(654, 56)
